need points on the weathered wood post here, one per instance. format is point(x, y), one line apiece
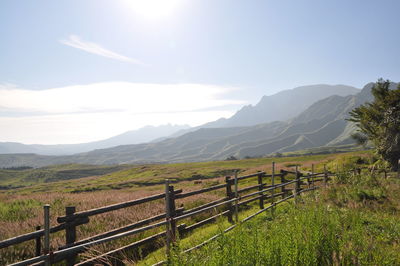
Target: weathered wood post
point(38, 243)
point(172, 212)
point(260, 187)
point(237, 197)
point(181, 230)
point(46, 248)
point(308, 180)
point(273, 189)
point(167, 218)
point(313, 176)
point(70, 232)
point(229, 196)
point(283, 180)
point(325, 176)
point(297, 184)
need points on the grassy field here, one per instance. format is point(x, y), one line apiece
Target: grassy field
point(21, 208)
point(355, 221)
point(88, 178)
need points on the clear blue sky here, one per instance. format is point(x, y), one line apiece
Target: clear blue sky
point(258, 47)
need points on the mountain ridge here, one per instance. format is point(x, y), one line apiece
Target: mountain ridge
point(141, 135)
point(322, 124)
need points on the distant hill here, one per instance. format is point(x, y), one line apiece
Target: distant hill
point(322, 124)
point(270, 108)
point(142, 135)
point(282, 105)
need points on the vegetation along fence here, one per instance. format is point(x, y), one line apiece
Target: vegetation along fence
point(273, 189)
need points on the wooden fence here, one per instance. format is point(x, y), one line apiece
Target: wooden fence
point(283, 186)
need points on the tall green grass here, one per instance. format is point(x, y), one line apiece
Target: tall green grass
point(19, 210)
point(355, 221)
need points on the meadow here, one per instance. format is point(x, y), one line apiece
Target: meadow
point(21, 208)
point(354, 221)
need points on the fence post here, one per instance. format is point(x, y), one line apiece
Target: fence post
point(172, 212)
point(312, 174)
point(283, 180)
point(273, 189)
point(229, 197)
point(308, 180)
point(297, 184)
point(260, 187)
point(46, 248)
point(38, 243)
point(167, 218)
point(325, 175)
point(70, 233)
point(236, 196)
point(181, 230)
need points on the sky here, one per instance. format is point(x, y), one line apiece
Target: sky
point(73, 71)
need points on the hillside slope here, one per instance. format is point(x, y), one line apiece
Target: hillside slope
point(290, 103)
point(322, 124)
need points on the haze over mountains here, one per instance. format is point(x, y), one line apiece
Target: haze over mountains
point(141, 135)
point(316, 124)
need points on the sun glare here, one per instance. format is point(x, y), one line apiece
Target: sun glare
point(154, 9)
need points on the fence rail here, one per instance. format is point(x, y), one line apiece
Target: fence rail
point(228, 206)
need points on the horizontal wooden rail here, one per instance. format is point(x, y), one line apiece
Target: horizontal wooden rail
point(112, 253)
point(122, 229)
point(312, 174)
point(204, 206)
point(39, 233)
point(200, 191)
point(310, 177)
point(278, 202)
point(205, 242)
point(75, 249)
point(205, 221)
point(113, 207)
point(79, 248)
point(258, 197)
point(267, 189)
point(249, 176)
point(290, 172)
point(202, 210)
point(251, 188)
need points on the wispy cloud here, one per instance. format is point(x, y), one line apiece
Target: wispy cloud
point(138, 98)
point(94, 48)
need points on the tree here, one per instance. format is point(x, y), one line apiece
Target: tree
point(379, 122)
point(231, 158)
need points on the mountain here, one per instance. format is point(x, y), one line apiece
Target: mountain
point(295, 101)
point(322, 124)
point(142, 135)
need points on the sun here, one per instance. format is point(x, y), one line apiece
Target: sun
point(154, 9)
